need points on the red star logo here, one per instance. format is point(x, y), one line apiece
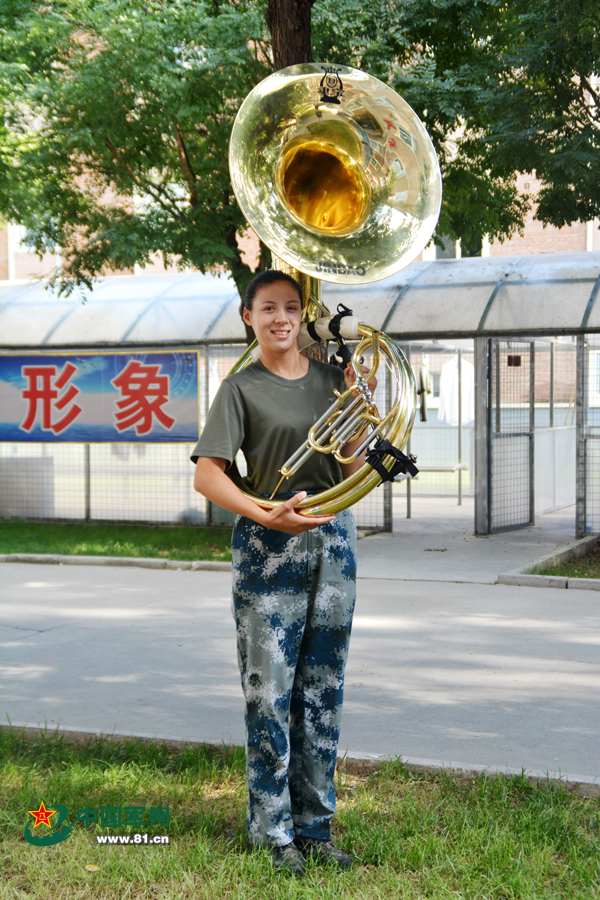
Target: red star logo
point(42, 815)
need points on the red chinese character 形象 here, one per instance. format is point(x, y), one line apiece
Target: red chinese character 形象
point(143, 394)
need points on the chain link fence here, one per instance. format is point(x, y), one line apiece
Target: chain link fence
point(148, 483)
point(589, 436)
point(511, 434)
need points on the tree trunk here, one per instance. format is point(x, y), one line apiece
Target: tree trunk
point(289, 24)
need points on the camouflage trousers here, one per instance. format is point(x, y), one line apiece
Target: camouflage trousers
point(293, 600)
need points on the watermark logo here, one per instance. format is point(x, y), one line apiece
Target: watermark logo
point(105, 817)
point(43, 816)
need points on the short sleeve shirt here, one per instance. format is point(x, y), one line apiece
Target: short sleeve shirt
point(268, 417)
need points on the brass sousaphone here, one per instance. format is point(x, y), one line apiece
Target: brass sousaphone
point(338, 177)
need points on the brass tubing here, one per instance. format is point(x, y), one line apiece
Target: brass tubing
point(312, 434)
point(346, 429)
point(306, 450)
point(316, 441)
point(348, 432)
point(398, 422)
point(372, 434)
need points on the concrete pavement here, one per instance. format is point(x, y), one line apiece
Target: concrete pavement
point(454, 671)
point(438, 544)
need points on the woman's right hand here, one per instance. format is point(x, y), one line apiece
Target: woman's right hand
point(211, 481)
point(285, 518)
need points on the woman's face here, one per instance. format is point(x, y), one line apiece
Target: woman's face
point(275, 316)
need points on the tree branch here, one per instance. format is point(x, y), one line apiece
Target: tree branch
point(186, 165)
point(590, 90)
point(154, 190)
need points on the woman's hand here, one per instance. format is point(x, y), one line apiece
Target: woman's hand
point(350, 377)
point(285, 518)
point(211, 481)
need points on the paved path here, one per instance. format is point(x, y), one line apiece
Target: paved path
point(461, 674)
point(438, 544)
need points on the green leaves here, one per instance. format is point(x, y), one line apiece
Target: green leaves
point(119, 144)
point(116, 115)
point(501, 88)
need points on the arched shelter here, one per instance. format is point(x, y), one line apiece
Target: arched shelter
point(503, 303)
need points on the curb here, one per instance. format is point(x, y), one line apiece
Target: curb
point(562, 554)
point(515, 578)
point(551, 581)
point(583, 786)
point(141, 562)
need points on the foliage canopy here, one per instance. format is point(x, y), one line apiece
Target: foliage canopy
point(116, 115)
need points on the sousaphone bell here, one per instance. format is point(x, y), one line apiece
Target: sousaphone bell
point(337, 176)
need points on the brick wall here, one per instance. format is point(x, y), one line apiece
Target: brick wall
point(250, 248)
point(3, 254)
point(537, 238)
point(514, 380)
point(30, 266)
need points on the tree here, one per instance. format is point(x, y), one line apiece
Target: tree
point(117, 113)
point(116, 147)
point(289, 22)
point(501, 88)
point(544, 117)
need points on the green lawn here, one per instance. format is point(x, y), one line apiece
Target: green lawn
point(585, 567)
point(187, 542)
point(412, 837)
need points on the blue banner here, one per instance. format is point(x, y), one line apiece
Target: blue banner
point(93, 398)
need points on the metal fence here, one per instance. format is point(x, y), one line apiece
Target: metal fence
point(511, 434)
point(445, 452)
point(150, 483)
point(588, 435)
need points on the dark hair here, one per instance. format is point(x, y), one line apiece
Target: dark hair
point(270, 276)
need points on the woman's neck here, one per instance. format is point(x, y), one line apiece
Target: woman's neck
point(288, 365)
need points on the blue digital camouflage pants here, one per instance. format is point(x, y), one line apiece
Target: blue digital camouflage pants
point(293, 600)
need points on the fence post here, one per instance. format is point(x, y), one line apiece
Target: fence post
point(481, 461)
point(460, 421)
point(86, 481)
point(581, 445)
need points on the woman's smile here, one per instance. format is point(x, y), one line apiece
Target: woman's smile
point(275, 316)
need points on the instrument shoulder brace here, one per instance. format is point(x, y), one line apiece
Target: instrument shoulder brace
point(404, 464)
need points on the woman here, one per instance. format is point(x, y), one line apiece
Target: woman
point(293, 577)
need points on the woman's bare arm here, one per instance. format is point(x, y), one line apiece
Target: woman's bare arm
point(211, 481)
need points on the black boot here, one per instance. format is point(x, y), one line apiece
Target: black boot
point(288, 859)
point(324, 852)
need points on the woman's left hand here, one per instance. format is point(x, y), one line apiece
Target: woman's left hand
point(350, 377)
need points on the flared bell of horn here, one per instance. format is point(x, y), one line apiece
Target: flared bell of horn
point(335, 172)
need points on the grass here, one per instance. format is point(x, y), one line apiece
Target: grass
point(585, 567)
point(85, 539)
point(412, 837)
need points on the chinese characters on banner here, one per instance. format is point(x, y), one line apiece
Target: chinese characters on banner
point(100, 397)
point(43, 387)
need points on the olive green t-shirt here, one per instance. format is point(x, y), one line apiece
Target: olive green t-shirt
point(268, 418)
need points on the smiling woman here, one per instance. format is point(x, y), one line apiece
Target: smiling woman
point(275, 318)
point(293, 577)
